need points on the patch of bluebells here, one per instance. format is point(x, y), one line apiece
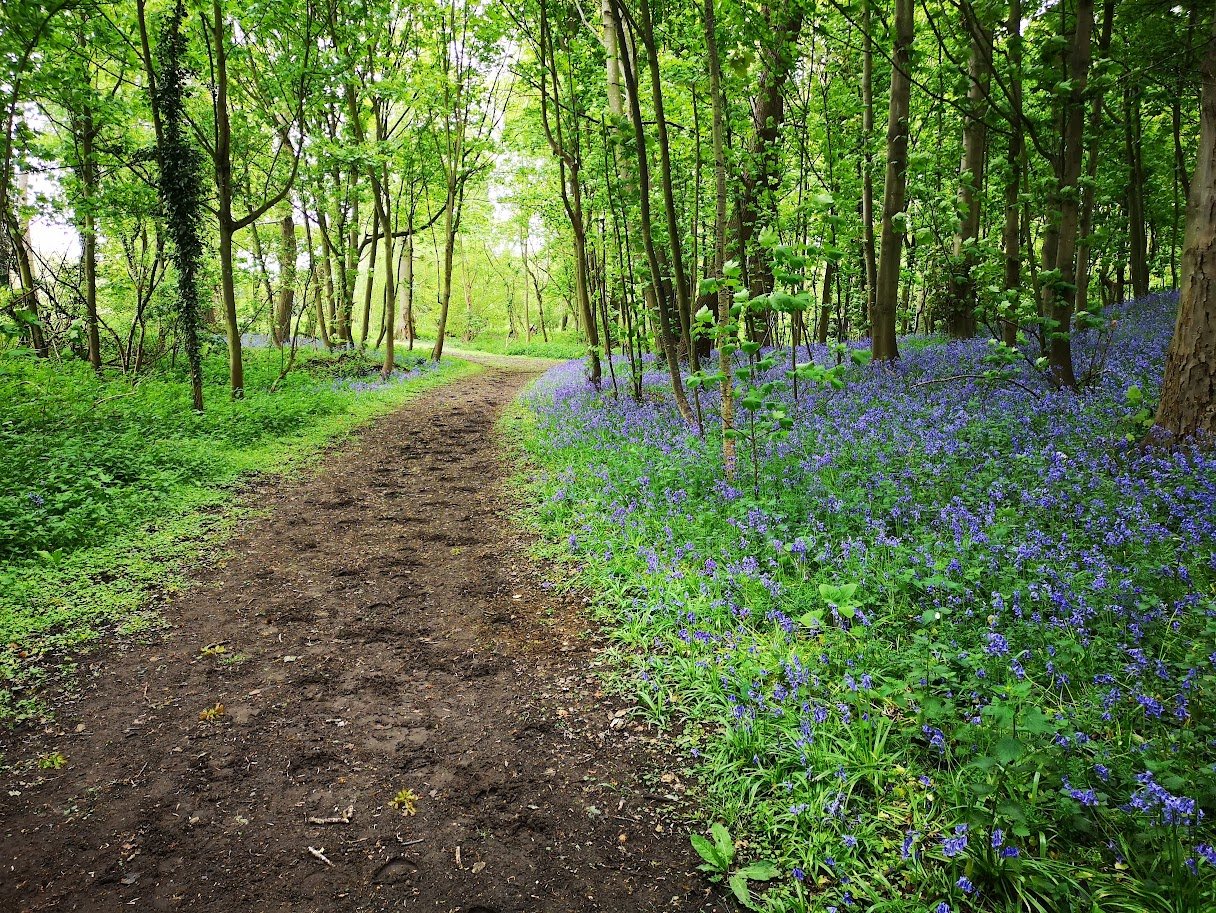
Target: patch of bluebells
point(376, 382)
point(1023, 573)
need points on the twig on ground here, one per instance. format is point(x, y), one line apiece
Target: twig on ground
point(320, 854)
point(343, 818)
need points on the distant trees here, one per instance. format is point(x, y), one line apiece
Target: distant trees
point(1032, 172)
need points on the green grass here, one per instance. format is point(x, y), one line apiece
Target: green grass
point(561, 345)
point(108, 489)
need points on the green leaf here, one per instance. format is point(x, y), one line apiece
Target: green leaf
point(707, 851)
point(738, 887)
point(1008, 749)
point(723, 843)
point(763, 870)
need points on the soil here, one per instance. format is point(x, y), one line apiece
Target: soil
point(380, 628)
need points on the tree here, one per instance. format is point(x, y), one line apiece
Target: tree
point(1188, 390)
point(180, 182)
point(886, 290)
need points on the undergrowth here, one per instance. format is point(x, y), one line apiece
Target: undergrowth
point(107, 487)
point(955, 647)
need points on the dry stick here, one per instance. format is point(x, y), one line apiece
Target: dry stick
point(945, 380)
point(320, 854)
point(343, 818)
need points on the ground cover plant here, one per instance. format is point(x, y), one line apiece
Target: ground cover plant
point(955, 650)
point(105, 486)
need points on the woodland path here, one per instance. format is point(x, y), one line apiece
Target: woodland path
point(397, 638)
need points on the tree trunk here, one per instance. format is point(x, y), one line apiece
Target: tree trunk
point(868, 249)
point(370, 279)
point(88, 236)
point(445, 291)
point(761, 175)
point(1060, 294)
point(725, 342)
point(656, 273)
point(408, 256)
point(961, 318)
point(288, 254)
point(886, 289)
point(1137, 234)
point(1188, 390)
point(1085, 242)
point(1011, 231)
point(223, 192)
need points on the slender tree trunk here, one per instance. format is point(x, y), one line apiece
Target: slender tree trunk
point(370, 279)
point(886, 290)
point(408, 257)
point(1188, 391)
point(1085, 241)
point(961, 318)
point(288, 254)
point(449, 246)
point(1137, 234)
point(683, 304)
point(226, 224)
point(725, 341)
point(1060, 295)
point(656, 273)
point(88, 236)
point(1012, 232)
point(868, 247)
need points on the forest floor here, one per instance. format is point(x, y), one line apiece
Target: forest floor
point(378, 629)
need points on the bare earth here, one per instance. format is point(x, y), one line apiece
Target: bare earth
point(398, 638)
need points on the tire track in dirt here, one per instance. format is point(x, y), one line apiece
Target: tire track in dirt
point(384, 631)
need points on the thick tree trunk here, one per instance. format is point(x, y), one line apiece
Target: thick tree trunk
point(886, 289)
point(1188, 391)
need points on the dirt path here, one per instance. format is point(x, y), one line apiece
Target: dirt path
point(396, 638)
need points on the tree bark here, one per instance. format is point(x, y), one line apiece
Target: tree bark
point(886, 289)
point(288, 253)
point(664, 317)
point(961, 318)
point(1188, 390)
point(226, 223)
point(725, 342)
point(1137, 234)
point(868, 247)
point(1011, 231)
point(1060, 294)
